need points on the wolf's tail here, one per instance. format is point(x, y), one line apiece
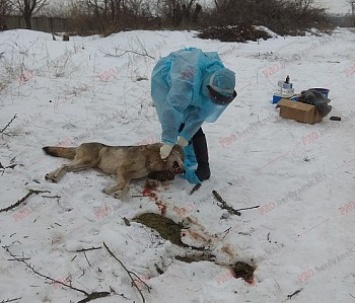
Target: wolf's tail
point(63, 152)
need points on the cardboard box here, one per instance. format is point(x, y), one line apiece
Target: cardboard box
point(299, 111)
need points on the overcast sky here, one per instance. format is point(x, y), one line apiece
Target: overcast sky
point(336, 6)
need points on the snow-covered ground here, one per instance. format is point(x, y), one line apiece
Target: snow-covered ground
point(300, 239)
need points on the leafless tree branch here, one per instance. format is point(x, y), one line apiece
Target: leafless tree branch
point(10, 300)
point(28, 8)
point(130, 273)
point(23, 199)
point(140, 51)
point(89, 297)
point(87, 249)
point(7, 125)
point(224, 205)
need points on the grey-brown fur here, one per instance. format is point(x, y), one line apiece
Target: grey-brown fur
point(126, 162)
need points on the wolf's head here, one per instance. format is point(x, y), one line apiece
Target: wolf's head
point(175, 161)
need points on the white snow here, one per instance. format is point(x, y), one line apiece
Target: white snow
point(302, 176)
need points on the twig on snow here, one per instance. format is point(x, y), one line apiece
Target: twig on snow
point(10, 300)
point(87, 260)
point(7, 125)
point(23, 199)
point(42, 275)
point(247, 208)
point(351, 295)
point(130, 273)
point(2, 167)
point(295, 293)
point(52, 197)
point(19, 259)
point(89, 297)
point(224, 204)
point(226, 232)
point(87, 249)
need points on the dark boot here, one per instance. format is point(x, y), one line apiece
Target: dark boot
point(201, 151)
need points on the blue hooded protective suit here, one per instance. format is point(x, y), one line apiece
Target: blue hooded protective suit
point(180, 95)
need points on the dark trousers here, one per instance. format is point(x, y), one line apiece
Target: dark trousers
point(199, 144)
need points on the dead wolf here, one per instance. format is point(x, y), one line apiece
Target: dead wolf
point(126, 162)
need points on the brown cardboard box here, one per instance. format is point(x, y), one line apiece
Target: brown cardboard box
point(299, 111)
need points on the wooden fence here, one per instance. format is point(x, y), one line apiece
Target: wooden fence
point(45, 24)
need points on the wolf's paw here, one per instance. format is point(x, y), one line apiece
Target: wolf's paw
point(116, 192)
point(51, 177)
point(117, 195)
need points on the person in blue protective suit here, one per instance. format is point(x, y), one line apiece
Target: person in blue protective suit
point(190, 87)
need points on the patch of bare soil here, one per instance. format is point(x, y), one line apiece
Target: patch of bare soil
point(170, 230)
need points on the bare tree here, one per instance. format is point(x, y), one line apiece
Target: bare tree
point(56, 9)
point(28, 8)
point(5, 8)
point(176, 11)
point(352, 4)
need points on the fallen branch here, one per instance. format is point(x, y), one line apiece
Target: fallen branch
point(87, 249)
point(87, 260)
point(226, 232)
point(89, 296)
point(130, 273)
point(95, 295)
point(19, 259)
point(7, 125)
point(247, 208)
point(23, 199)
point(10, 300)
point(224, 204)
point(2, 167)
point(52, 197)
point(42, 275)
point(295, 293)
